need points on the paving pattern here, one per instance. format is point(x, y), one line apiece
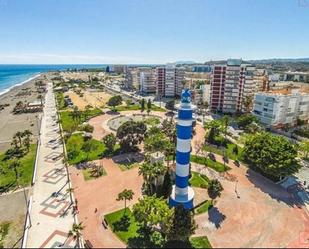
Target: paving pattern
point(98, 197)
point(254, 212)
point(51, 214)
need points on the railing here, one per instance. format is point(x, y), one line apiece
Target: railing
point(29, 203)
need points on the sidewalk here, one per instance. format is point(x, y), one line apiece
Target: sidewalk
point(51, 215)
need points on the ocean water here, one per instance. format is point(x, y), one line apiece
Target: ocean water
point(12, 75)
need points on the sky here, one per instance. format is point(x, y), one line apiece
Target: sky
point(151, 31)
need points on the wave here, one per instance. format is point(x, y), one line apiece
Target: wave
point(18, 84)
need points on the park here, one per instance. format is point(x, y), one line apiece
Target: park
point(118, 174)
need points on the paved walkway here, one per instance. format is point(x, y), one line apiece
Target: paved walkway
point(101, 194)
point(101, 128)
point(253, 212)
point(51, 213)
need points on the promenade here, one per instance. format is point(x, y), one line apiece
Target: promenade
point(51, 216)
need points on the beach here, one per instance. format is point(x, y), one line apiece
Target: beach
point(11, 123)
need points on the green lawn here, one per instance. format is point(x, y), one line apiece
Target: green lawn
point(7, 179)
point(127, 166)
point(88, 176)
point(152, 121)
point(4, 230)
point(138, 107)
point(157, 108)
point(124, 227)
point(198, 180)
point(122, 108)
point(68, 124)
point(75, 153)
point(204, 207)
point(60, 100)
point(219, 167)
point(200, 242)
point(229, 151)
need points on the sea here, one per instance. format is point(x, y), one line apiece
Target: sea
point(14, 75)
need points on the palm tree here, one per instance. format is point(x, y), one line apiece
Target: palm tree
point(225, 121)
point(96, 170)
point(19, 135)
point(27, 140)
point(169, 150)
point(126, 194)
point(142, 105)
point(214, 189)
point(14, 165)
point(76, 115)
point(76, 232)
point(40, 97)
point(149, 106)
point(15, 145)
point(150, 173)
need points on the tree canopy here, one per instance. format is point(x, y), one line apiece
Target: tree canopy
point(142, 105)
point(182, 225)
point(304, 148)
point(214, 188)
point(273, 155)
point(215, 128)
point(149, 105)
point(245, 120)
point(110, 141)
point(125, 195)
point(130, 134)
point(114, 101)
point(170, 105)
point(151, 212)
point(150, 173)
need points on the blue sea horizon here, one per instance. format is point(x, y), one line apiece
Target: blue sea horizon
point(15, 74)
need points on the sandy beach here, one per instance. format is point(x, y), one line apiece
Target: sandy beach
point(11, 123)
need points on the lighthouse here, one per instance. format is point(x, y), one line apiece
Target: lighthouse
point(182, 193)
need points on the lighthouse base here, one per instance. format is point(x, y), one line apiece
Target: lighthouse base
point(185, 200)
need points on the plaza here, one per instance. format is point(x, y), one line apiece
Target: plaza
point(252, 211)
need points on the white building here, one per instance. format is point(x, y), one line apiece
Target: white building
point(281, 109)
point(231, 84)
point(295, 76)
point(206, 93)
point(169, 81)
point(148, 81)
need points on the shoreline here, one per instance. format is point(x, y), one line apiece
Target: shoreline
point(11, 123)
point(7, 90)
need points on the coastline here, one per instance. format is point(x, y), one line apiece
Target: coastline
point(11, 123)
point(7, 90)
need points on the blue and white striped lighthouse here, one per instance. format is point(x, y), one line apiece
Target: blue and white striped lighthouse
point(182, 193)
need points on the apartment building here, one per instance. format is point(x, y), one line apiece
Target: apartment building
point(119, 69)
point(201, 69)
point(148, 81)
point(261, 79)
point(295, 76)
point(281, 108)
point(231, 84)
point(169, 81)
